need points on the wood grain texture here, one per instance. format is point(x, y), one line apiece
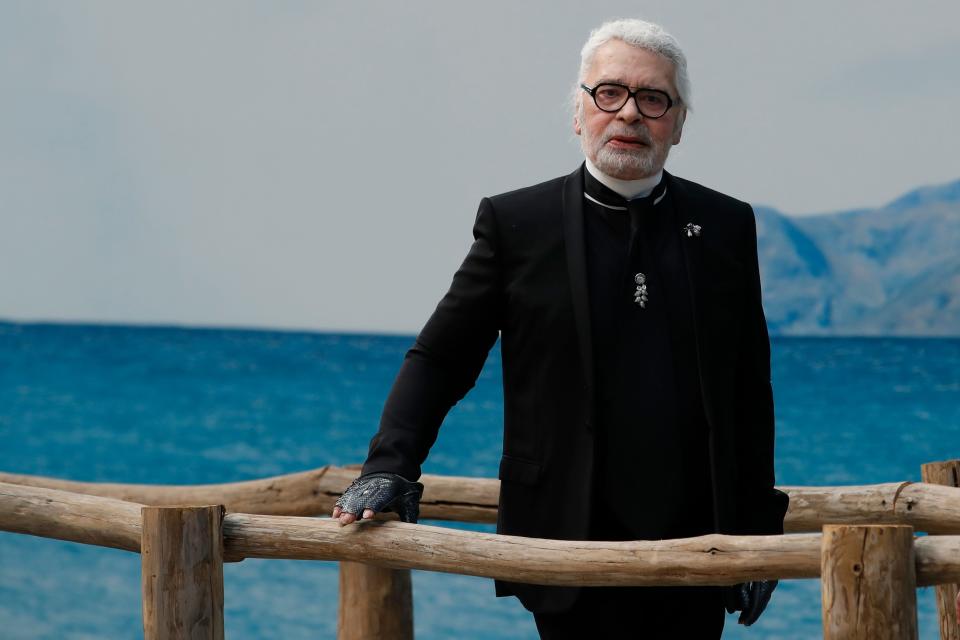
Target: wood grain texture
point(705, 560)
point(63, 515)
point(182, 573)
point(112, 523)
point(307, 493)
point(945, 473)
point(869, 585)
point(375, 602)
point(924, 506)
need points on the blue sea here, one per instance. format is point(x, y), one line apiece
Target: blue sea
point(172, 405)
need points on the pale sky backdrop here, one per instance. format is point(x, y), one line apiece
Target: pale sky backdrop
point(318, 165)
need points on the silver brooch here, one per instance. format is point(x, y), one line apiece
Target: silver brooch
point(692, 230)
point(640, 295)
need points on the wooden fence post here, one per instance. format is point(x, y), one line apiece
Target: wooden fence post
point(374, 603)
point(181, 552)
point(946, 473)
point(869, 583)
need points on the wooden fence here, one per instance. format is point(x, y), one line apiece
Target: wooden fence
point(863, 548)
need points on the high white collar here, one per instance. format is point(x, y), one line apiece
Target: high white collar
point(629, 189)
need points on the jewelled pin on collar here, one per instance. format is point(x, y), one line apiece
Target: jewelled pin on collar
point(640, 295)
point(692, 230)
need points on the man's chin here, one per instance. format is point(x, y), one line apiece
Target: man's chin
point(628, 169)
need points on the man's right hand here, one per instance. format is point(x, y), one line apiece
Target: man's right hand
point(376, 492)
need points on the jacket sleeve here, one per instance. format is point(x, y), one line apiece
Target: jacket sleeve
point(760, 507)
point(445, 360)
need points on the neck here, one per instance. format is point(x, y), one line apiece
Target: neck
point(629, 189)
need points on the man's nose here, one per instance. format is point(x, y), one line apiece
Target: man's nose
point(629, 112)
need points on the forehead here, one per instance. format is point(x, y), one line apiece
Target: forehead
point(617, 61)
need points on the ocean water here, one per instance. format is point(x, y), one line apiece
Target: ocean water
point(170, 405)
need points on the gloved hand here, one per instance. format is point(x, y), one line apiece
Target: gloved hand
point(749, 598)
point(375, 492)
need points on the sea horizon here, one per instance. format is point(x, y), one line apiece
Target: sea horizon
point(189, 326)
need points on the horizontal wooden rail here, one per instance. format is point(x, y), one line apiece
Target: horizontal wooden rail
point(926, 507)
point(307, 493)
point(713, 559)
point(295, 494)
point(63, 515)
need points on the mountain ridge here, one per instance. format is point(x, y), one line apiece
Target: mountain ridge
point(890, 270)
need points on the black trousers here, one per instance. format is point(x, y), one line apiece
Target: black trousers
point(647, 613)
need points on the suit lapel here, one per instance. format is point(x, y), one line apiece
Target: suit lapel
point(692, 247)
point(577, 268)
point(687, 211)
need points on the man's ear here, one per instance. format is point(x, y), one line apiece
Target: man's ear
point(678, 126)
point(576, 116)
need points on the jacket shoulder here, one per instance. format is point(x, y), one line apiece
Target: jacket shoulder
point(698, 194)
point(526, 197)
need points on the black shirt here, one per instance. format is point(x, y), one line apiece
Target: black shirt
point(651, 429)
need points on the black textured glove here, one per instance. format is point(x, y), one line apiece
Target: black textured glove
point(749, 598)
point(382, 492)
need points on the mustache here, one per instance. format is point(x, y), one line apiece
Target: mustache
point(640, 132)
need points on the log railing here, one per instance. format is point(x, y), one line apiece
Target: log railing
point(113, 515)
point(924, 506)
point(704, 560)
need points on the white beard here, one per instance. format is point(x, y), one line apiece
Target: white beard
point(625, 164)
point(630, 164)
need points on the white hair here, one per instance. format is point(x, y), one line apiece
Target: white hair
point(644, 35)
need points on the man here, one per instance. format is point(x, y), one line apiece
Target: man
point(636, 365)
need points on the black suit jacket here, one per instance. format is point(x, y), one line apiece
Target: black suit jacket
point(525, 280)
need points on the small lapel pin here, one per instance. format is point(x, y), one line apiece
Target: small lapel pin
point(692, 230)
